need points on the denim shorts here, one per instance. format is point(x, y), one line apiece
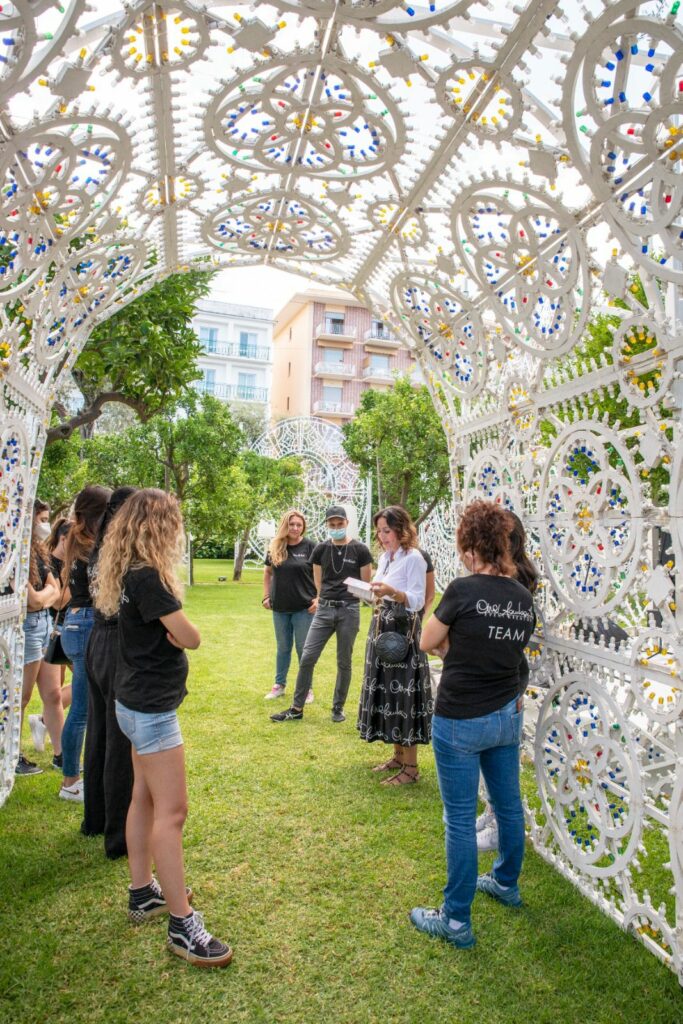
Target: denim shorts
point(37, 629)
point(149, 733)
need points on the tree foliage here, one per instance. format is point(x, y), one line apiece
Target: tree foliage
point(266, 488)
point(397, 437)
point(144, 356)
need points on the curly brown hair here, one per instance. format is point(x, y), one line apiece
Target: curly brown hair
point(484, 529)
point(146, 531)
point(400, 522)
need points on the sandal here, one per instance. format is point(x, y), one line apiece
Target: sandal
point(389, 765)
point(409, 772)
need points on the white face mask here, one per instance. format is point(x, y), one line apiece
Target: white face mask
point(42, 531)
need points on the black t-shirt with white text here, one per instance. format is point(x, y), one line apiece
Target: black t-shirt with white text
point(291, 586)
point(337, 562)
point(490, 620)
point(151, 673)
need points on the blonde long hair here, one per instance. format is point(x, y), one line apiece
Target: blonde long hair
point(146, 531)
point(278, 545)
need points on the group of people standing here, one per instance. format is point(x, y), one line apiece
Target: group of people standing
point(113, 588)
point(480, 630)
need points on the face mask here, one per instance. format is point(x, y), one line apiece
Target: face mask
point(42, 531)
point(337, 534)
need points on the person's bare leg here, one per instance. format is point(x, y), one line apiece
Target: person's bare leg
point(394, 762)
point(164, 776)
point(29, 681)
point(66, 690)
point(49, 687)
point(139, 824)
point(408, 772)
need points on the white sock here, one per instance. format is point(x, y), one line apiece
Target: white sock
point(452, 923)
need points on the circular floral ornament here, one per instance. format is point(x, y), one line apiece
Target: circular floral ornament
point(158, 37)
point(54, 179)
point(83, 286)
point(522, 408)
point(652, 928)
point(30, 39)
point(299, 119)
point(621, 108)
point(445, 324)
point(657, 663)
point(279, 224)
point(476, 93)
point(410, 229)
point(642, 353)
point(381, 15)
point(13, 490)
point(489, 478)
point(527, 253)
point(176, 192)
point(588, 776)
point(590, 511)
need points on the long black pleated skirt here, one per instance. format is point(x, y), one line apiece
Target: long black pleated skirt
point(396, 704)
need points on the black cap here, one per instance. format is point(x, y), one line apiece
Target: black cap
point(336, 512)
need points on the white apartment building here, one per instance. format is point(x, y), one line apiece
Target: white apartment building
point(237, 343)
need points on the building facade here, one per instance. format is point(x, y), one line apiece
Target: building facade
point(237, 350)
point(327, 350)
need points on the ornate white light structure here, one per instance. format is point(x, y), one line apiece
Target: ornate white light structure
point(487, 180)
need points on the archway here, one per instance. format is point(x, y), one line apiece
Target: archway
point(376, 145)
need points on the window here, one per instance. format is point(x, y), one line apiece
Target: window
point(246, 385)
point(332, 396)
point(334, 323)
point(378, 329)
point(248, 344)
point(333, 356)
point(380, 362)
point(209, 381)
point(209, 338)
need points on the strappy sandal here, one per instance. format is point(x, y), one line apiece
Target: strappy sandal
point(409, 773)
point(388, 766)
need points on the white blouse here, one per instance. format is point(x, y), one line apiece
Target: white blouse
point(406, 571)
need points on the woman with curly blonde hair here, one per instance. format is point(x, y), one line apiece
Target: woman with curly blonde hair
point(289, 593)
point(136, 577)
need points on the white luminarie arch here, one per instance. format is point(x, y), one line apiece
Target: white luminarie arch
point(401, 150)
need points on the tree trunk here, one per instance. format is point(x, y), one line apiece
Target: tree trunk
point(241, 553)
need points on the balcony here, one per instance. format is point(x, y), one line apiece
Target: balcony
point(378, 374)
point(233, 392)
point(335, 369)
point(257, 353)
point(335, 331)
point(378, 337)
point(332, 409)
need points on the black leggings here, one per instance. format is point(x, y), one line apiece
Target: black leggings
point(107, 763)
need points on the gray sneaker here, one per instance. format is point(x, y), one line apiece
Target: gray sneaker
point(433, 922)
point(508, 895)
point(337, 714)
point(26, 767)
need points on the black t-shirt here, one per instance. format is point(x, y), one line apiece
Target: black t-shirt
point(152, 672)
point(43, 571)
point(79, 585)
point(425, 555)
point(291, 587)
point(339, 561)
point(490, 620)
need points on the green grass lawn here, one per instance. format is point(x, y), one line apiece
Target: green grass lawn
point(308, 867)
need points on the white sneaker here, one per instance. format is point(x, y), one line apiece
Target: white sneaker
point(487, 839)
point(486, 818)
point(277, 691)
point(38, 732)
point(73, 793)
point(310, 697)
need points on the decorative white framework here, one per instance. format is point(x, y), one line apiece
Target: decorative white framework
point(487, 178)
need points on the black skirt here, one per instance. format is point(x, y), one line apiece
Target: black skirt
point(396, 704)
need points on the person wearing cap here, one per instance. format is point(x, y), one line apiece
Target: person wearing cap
point(338, 612)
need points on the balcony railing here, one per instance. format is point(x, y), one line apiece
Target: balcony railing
point(259, 352)
point(233, 392)
point(381, 373)
point(381, 336)
point(335, 369)
point(333, 408)
point(335, 330)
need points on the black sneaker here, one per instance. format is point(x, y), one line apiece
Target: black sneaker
point(58, 762)
point(337, 714)
point(148, 902)
point(188, 938)
point(26, 767)
point(290, 715)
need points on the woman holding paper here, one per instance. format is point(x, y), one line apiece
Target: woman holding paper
point(396, 700)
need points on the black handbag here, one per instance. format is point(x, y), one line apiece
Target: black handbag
point(54, 652)
point(391, 647)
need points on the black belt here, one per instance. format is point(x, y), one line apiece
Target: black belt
point(335, 604)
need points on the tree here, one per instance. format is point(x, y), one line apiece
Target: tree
point(397, 437)
point(264, 488)
point(144, 356)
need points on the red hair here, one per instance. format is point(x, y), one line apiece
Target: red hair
point(484, 529)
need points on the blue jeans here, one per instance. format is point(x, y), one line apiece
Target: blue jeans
point(290, 628)
point(463, 746)
point(75, 635)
